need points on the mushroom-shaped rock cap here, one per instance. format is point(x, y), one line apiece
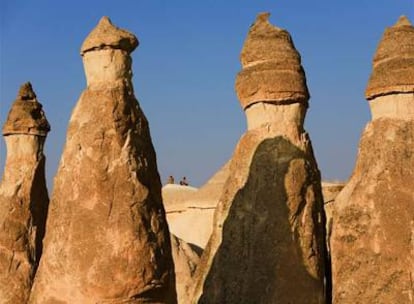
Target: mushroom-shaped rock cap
point(272, 70)
point(26, 115)
point(393, 64)
point(106, 35)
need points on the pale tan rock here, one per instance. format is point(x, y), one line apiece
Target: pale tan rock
point(186, 257)
point(267, 244)
point(107, 36)
point(194, 208)
point(211, 191)
point(399, 106)
point(107, 239)
point(23, 197)
point(173, 194)
point(373, 218)
point(330, 191)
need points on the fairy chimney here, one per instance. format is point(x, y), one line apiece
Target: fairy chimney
point(267, 244)
point(23, 197)
point(107, 238)
point(373, 221)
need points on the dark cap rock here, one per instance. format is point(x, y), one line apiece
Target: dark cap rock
point(26, 115)
point(106, 35)
point(272, 70)
point(393, 64)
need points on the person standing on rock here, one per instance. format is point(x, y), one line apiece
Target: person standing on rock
point(170, 180)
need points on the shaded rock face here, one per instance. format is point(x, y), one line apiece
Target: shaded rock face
point(373, 217)
point(107, 238)
point(267, 244)
point(330, 191)
point(186, 257)
point(269, 249)
point(23, 197)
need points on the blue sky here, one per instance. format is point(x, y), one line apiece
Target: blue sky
point(185, 67)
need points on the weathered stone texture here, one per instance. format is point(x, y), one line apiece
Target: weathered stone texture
point(373, 217)
point(107, 239)
point(26, 115)
point(186, 257)
point(23, 197)
point(107, 36)
point(392, 66)
point(272, 70)
point(267, 244)
point(194, 208)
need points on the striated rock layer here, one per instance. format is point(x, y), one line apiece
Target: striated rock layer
point(373, 221)
point(23, 197)
point(267, 244)
point(107, 239)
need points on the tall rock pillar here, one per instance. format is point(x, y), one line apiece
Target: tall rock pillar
point(107, 239)
point(372, 241)
point(23, 197)
point(267, 244)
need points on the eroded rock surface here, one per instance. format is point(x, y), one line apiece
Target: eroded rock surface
point(267, 244)
point(186, 257)
point(107, 239)
point(373, 221)
point(23, 197)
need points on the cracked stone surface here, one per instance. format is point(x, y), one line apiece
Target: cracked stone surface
point(373, 216)
point(23, 197)
point(107, 238)
point(267, 244)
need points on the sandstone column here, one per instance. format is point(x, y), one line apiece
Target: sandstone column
point(107, 239)
point(267, 244)
point(23, 197)
point(372, 242)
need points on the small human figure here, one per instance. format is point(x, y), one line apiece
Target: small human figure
point(184, 182)
point(170, 180)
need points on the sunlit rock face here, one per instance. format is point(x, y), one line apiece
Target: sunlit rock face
point(186, 257)
point(267, 244)
point(190, 207)
point(373, 221)
point(23, 197)
point(107, 239)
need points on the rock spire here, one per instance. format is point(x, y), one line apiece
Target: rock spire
point(26, 115)
point(23, 197)
point(392, 65)
point(108, 36)
point(107, 238)
point(373, 217)
point(267, 244)
point(272, 70)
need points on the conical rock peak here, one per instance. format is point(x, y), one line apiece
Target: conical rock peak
point(26, 115)
point(106, 35)
point(393, 64)
point(272, 70)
